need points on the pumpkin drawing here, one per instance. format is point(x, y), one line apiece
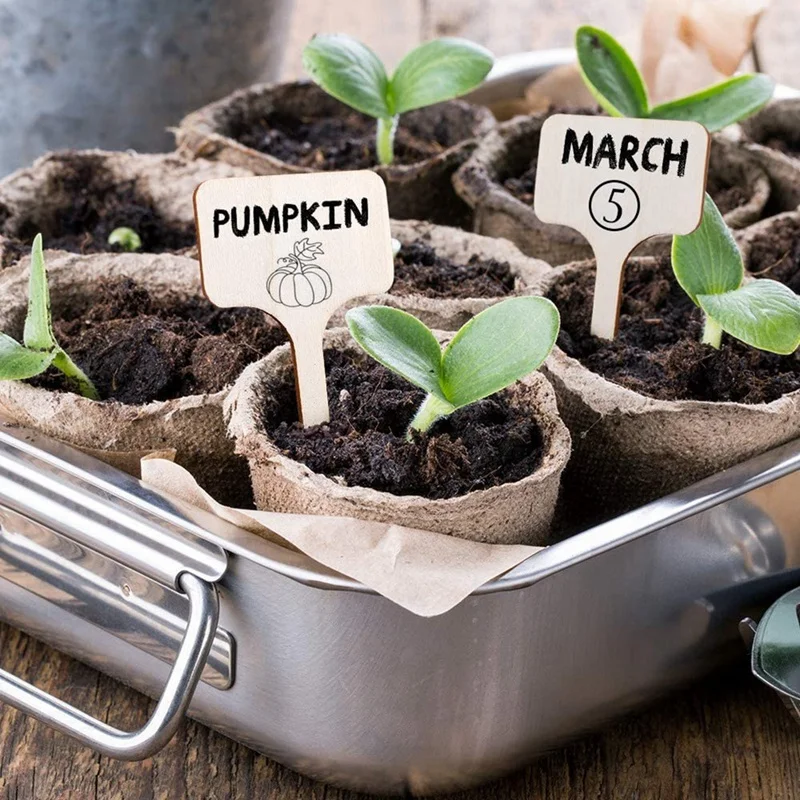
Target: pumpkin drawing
point(300, 281)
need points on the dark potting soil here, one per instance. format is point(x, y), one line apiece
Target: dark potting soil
point(789, 147)
point(419, 269)
point(777, 255)
point(136, 349)
point(483, 445)
point(343, 142)
point(658, 351)
point(98, 203)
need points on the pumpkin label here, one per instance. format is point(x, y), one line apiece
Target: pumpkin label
point(246, 259)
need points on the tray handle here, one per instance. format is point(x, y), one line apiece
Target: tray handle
point(169, 711)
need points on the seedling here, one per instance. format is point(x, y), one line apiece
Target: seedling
point(618, 86)
point(40, 349)
point(126, 238)
point(435, 71)
point(493, 350)
point(708, 265)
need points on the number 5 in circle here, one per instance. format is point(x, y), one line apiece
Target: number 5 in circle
point(614, 205)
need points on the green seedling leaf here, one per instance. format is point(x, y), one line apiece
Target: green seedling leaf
point(707, 261)
point(38, 333)
point(435, 71)
point(721, 105)
point(40, 349)
point(400, 342)
point(610, 74)
point(502, 344)
point(438, 70)
point(17, 363)
point(618, 86)
point(763, 313)
point(493, 350)
point(126, 238)
point(349, 71)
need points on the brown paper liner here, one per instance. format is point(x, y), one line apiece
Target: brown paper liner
point(514, 145)
point(629, 449)
point(415, 191)
point(450, 313)
point(192, 426)
point(36, 194)
point(512, 513)
point(423, 572)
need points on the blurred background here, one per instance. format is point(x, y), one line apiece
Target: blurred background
point(118, 73)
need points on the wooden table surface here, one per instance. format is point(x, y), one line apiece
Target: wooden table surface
point(727, 738)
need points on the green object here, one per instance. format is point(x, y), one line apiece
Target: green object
point(431, 73)
point(126, 238)
point(762, 313)
point(499, 346)
point(618, 86)
point(775, 656)
point(39, 349)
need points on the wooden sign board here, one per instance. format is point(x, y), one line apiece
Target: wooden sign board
point(619, 182)
point(297, 247)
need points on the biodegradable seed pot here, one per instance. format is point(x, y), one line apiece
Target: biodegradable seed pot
point(78, 198)
point(490, 472)
point(656, 409)
point(444, 275)
point(159, 354)
point(498, 178)
point(297, 127)
point(773, 138)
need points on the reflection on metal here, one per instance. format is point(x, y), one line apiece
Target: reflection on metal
point(345, 686)
point(105, 593)
point(171, 706)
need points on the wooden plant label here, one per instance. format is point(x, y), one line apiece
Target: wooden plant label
point(619, 182)
point(297, 247)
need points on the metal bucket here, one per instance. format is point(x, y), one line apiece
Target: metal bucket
point(116, 73)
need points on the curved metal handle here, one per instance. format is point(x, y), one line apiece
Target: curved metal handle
point(178, 691)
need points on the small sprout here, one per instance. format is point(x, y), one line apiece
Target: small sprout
point(708, 265)
point(40, 349)
point(435, 71)
point(499, 346)
point(396, 246)
point(126, 238)
point(618, 86)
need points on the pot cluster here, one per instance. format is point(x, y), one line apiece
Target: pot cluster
point(601, 429)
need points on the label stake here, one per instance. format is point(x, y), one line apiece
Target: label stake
point(619, 182)
point(298, 247)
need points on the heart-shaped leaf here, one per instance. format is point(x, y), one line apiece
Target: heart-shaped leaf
point(610, 74)
point(763, 313)
point(708, 260)
point(502, 344)
point(438, 70)
point(400, 342)
point(720, 105)
point(18, 363)
point(349, 71)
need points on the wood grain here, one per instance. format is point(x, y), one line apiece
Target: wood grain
point(728, 739)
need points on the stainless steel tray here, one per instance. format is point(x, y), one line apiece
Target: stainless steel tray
point(325, 676)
